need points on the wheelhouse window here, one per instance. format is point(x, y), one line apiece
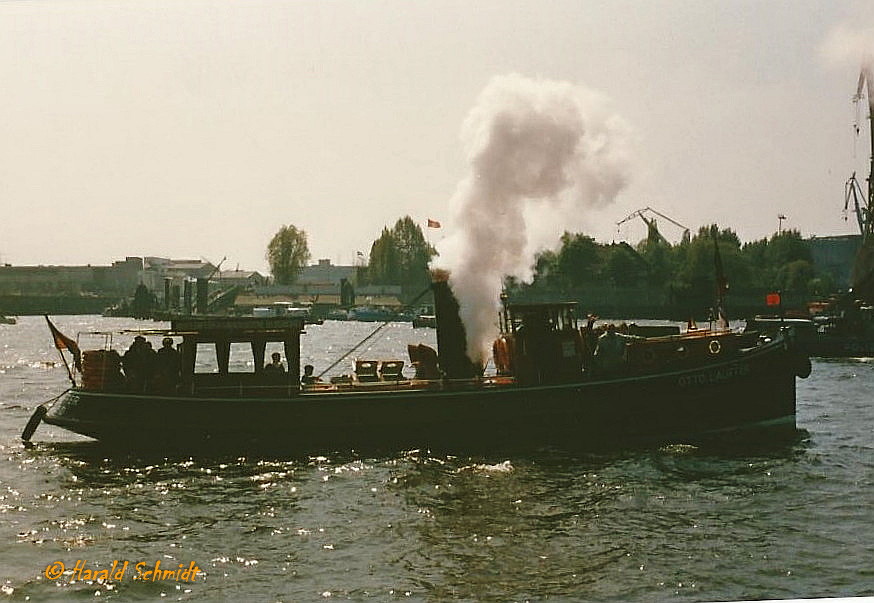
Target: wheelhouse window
point(206, 359)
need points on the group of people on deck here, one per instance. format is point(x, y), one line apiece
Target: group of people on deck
point(275, 367)
point(605, 346)
point(148, 370)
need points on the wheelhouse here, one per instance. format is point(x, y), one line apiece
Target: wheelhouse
point(222, 332)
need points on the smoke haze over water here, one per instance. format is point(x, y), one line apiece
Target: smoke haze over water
point(538, 151)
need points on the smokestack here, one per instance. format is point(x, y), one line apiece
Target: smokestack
point(451, 337)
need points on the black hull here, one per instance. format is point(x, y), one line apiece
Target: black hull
point(758, 387)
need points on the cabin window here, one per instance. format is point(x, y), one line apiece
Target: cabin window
point(241, 359)
point(275, 347)
point(206, 361)
point(544, 319)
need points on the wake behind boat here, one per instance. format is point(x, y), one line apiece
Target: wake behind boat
point(555, 383)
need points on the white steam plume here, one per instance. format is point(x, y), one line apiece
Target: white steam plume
point(536, 149)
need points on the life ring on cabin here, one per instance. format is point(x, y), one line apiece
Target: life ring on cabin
point(714, 347)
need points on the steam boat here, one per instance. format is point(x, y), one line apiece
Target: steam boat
point(555, 383)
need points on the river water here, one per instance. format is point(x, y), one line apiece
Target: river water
point(747, 521)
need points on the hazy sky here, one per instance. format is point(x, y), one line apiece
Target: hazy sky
point(196, 129)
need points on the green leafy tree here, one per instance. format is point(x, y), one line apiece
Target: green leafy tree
point(401, 255)
point(695, 282)
point(659, 258)
point(546, 269)
point(769, 260)
point(625, 268)
point(756, 254)
point(579, 261)
point(821, 285)
point(384, 266)
point(414, 252)
point(686, 272)
point(287, 254)
point(786, 247)
point(143, 303)
point(796, 275)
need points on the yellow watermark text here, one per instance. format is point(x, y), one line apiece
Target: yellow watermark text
point(120, 570)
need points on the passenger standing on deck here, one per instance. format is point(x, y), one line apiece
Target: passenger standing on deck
point(610, 353)
point(149, 364)
point(168, 366)
point(590, 342)
point(132, 363)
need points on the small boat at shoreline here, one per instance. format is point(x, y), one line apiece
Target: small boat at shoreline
point(376, 314)
point(425, 321)
point(551, 385)
point(829, 335)
point(7, 320)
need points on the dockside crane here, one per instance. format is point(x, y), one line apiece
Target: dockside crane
point(651, 225)
point(863, 205)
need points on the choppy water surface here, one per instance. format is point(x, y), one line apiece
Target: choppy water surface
point(773, 520)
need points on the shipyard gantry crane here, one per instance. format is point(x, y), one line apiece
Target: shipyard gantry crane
point(863, 205)
point(652, 229)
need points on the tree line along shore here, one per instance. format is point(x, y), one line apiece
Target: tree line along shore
point(650, 279)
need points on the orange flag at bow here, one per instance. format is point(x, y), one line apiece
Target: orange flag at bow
point(433, 223)
point(62, 342)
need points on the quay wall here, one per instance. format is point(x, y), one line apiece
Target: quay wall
point(26, 305)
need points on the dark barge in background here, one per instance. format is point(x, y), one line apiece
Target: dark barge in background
point(547, 389)
point(829, 335)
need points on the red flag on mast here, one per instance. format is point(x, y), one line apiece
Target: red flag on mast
point(62, 342)
point(433, 223)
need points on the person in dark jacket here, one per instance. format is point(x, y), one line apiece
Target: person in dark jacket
point(133, 362)
point(275, 367)
point(308, 378)
point(168, 363)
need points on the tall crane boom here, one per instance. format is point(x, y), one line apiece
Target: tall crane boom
point(864, 205)
point(651, 223)
point(863, 267)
